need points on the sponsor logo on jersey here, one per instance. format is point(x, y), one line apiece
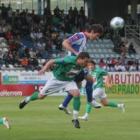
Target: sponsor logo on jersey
point(75, 38)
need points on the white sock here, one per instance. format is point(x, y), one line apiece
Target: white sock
point(75, 114)
point(86, 115)
point(119, 105)
point(27, 99)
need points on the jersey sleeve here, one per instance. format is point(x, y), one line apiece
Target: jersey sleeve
point(64, 60)
point(104, 72)
point(85, 72)
point(76, 39)
point(101, 71)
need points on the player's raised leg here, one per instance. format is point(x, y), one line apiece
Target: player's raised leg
point(66, 101)
point(113, 104)
point(25, 101)
point(5, 122)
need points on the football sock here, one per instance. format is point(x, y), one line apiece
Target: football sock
point(88, 108)
point(34, 96)
point(1, 121)
point(67, 100)
point(76, 103)
point(75, 114)
point(112, 104)
point(89, 93)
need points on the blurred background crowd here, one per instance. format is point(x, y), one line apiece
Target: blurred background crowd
point(28, 40)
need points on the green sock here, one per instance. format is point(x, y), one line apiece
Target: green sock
point(88, 108)
point(1, 121)
point(76, 103)
point(112, 104)
point(34, 96)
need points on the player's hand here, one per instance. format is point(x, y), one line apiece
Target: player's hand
point(109, 85)
point(41, 72)
point(77, 53)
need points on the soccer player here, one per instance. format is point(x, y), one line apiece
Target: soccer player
point(76, 44)
point(63, 78)
point(99, 90)
point(5, 122)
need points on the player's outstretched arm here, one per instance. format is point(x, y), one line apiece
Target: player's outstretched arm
point(46, 67)
point(66, 44)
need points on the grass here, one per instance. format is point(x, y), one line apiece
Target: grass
point(41, 120)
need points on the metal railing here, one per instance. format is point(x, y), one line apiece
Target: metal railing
point(133, 32)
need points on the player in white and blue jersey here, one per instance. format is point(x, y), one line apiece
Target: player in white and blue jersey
point(76, 44)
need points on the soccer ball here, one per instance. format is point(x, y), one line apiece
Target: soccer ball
point(117, 23)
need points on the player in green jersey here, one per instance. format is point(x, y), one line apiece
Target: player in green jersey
point(99, 90)
point(5, 122)
point(63, 78)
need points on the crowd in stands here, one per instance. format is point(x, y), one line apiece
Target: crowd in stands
point(45, 33)
point(120, 64)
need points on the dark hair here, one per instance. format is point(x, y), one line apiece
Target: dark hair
point(92, 62)
point(97, 28)
point(83, 55)
point(101, 60)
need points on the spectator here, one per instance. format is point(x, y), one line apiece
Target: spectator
point(24, 62)
point(39, 35)
point(82, 12)
point(136, 62)
point(48, 46)
point(57, 11)
point(132, 67)
point(119, 67)
point(109, 63)
point(35, 64)
point(9, 35)
point(58, 47)
point(114, 62)
point(131, 49)
point(1, 58)
point(102, 63)
point(123, 49)
point(33, 35)
point(130, 62)
point(124, 61)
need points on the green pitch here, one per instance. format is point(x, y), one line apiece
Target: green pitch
point(41, 120)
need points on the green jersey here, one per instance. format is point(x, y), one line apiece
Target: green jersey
point(98, 74)
point(67, 68)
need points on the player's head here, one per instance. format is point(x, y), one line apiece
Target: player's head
point(95, 31)
point(91, 64)
point(82, 59)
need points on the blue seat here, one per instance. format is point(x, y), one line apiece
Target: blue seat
point(94, 50)
point(100, 50)
point(102, 45)
point(109, 50)
point(107, 55)
point(102, 55)
point(104, 50)
point(92, 56)
point(92, 45)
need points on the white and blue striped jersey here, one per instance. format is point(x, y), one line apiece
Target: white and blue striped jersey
point(78, 42)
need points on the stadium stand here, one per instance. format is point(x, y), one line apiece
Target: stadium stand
point(39, 38)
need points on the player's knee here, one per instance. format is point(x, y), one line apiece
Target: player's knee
point(77, 94)
point(105, 104)
point(40, 96)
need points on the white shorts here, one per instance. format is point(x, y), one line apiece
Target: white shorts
point(53, 85)
point(99, 93)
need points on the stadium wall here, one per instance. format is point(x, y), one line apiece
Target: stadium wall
point(26, 83)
